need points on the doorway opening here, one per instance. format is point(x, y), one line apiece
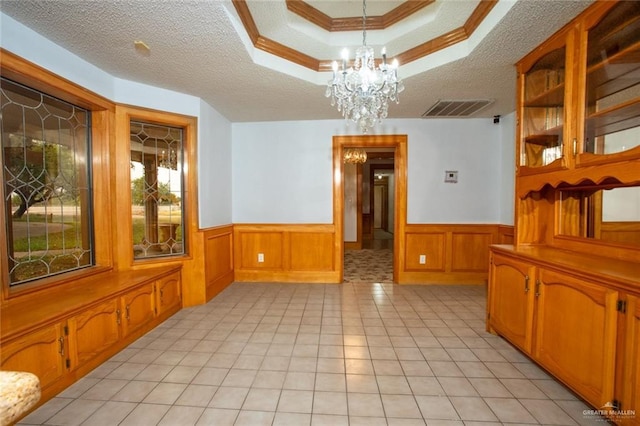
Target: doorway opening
point(381, 200)
point(370, 208)
point(370, 257)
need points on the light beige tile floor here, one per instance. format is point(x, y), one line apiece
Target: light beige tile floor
point(313, 354)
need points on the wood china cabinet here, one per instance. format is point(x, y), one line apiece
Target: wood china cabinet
point(567, 291)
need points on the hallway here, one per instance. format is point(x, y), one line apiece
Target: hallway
point(313, 354)
point(373, 263)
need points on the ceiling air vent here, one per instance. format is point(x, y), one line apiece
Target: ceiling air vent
point(457, 108)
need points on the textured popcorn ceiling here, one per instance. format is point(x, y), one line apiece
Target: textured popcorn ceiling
point(196, 49)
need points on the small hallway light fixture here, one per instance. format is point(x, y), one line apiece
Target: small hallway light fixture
point(355, 156)
point(362, 92)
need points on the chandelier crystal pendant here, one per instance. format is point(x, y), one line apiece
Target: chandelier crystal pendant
point(362, 92)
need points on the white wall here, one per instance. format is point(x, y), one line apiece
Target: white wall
point(621, 205)
point(282, 171)
point(469, 146)
point(214, 168)
point(214, 152)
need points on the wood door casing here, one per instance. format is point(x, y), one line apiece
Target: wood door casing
point(399, 143)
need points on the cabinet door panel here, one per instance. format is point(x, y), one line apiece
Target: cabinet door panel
point(631, 386)
point(511, 302)
point(139, 308)
point(94, 331)
point(40, 352)
point(169, 293)
point(575, 334)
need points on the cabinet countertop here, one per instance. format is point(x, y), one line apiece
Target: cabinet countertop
point(30, 310)
point(623, 274)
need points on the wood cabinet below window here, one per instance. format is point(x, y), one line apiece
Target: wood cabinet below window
point(94, 331)
point(168, 293)
point(41, 352)
point(137, 308)
point(73, 331)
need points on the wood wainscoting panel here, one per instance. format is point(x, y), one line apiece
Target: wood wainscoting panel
point(218, 247)
point(253, 244)
point(470, 251)
point(292, 253)
point(431, 245)
point(505, 234)
point(311, 251)
point(455, 253)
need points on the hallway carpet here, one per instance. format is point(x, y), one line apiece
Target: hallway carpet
point(368, 265)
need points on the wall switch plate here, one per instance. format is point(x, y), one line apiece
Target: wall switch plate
point(423, 259)
point(260, 257)
point(451, 176)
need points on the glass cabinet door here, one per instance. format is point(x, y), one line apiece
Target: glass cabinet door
point(612, 96)
point(543, 110)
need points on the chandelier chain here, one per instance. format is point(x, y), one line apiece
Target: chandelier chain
point(364, 22)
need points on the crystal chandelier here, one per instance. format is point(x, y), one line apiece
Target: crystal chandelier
point(362, 92)
point(355, 156)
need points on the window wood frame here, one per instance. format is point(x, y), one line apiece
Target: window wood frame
point(102, 110)
point(121, 152)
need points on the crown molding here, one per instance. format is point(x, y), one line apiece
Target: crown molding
point(313, 15)
point(401, 12)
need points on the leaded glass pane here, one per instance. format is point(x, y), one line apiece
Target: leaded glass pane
point(156, 190)
point(47, 185)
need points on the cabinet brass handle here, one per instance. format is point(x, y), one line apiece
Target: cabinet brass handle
point(118, 316)
point(575, 147)
point(61, 349)
point(128, 316)
point(526, 283)
point(537, 288)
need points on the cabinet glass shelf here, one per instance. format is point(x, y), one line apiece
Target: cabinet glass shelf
point(612, 109)
point(543, 110)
